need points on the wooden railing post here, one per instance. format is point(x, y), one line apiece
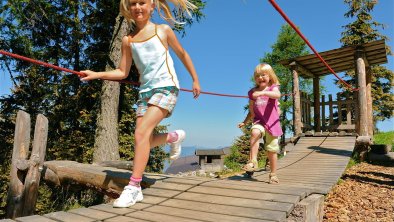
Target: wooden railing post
point(369, 102)
point(297, 104)
point(331, 110)
point(339, 105)
point(37, 157)
point(348, 111)
point(316, 105)
point(323, 112)
point(362, 95)
point(15, 198)
point(308, 110)
point(25, 174)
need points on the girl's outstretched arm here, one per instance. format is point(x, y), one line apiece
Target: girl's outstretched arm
point(274, 94)
point(116, 74)
point(250, 115)
point(184, 57)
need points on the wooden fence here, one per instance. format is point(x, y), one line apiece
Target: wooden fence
point(339, 115)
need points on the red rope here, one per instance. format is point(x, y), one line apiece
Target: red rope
point(82, 74)
point(121, 81)
point(276, 6)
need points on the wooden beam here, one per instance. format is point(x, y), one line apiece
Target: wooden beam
point(302, 69)
point(107, 180)
point(118, 164)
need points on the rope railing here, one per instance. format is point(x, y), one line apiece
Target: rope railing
point(34, 61)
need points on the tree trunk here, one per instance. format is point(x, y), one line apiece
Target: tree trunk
point(106, 145)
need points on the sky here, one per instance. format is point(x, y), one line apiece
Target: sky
point(227, 44)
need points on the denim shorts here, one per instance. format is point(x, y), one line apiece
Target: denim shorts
point(163, 97)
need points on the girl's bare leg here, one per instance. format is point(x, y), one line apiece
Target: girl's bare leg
point(254, 144)
point(273, 159)
point(144, 139)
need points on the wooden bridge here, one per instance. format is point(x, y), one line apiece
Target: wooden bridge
point(307, 172)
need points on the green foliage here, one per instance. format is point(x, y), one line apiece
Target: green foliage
point(197, 15)
point(362, 30)
point(385, 138)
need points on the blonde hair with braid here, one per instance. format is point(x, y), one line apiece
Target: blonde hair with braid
point(181, 6)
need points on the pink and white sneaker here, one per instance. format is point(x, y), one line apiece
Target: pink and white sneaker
point(176, 147)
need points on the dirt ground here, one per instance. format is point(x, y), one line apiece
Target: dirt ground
point(365, 193)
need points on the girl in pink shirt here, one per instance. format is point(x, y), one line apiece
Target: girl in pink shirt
point(264, 111)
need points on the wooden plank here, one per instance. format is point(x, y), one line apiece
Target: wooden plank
point(246, 194)
point(183, 180)
point(124, 219)
point(171, 186)
point(200, 215)
point(152, 199)
point(228, 210)
point(149, 216)
point(34, 218)
point(110, 209)
point(256, 202)
point(264, 188)
point(92, 213)
point(160, 192)
point(67, 217)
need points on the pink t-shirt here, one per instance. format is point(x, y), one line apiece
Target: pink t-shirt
point(266, 112)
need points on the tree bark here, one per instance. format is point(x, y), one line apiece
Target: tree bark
point(106, 146)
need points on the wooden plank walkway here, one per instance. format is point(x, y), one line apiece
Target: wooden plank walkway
point(313, 166)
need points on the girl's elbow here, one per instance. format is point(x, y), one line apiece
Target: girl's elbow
point(120, 74)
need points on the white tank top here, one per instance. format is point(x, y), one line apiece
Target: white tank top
point(154, 63)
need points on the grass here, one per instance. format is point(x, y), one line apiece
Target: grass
point(379, 138)
point(385, 138)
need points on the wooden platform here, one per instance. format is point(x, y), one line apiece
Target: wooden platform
point(314, 165)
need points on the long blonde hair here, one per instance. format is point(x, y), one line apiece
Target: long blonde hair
point(181, 6)
point(264, 68)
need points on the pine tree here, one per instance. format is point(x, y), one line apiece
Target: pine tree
point(363, 30)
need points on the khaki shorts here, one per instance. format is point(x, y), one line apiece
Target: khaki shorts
point(271, 143)
point(163, 97)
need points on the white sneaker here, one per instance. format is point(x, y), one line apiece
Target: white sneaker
point(176, 148)
point(129, 196)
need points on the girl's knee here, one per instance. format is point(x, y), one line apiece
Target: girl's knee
point(140, 135)
point(255, 134)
